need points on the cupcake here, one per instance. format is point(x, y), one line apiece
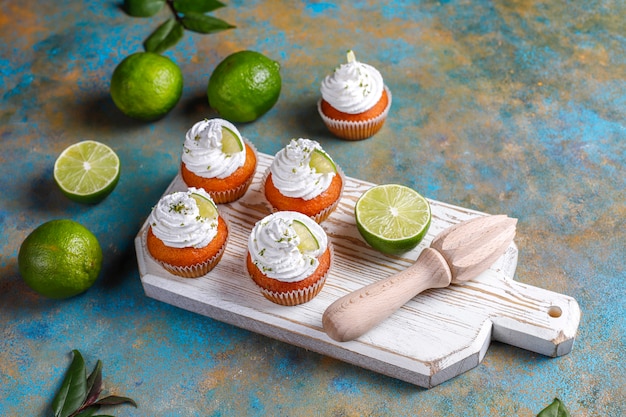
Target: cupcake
point(355, 101)
point(288, 258)
point(303, 178)
point(186, 234)
point(216, 158)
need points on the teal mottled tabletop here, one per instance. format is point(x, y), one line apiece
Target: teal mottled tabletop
point(503, 106)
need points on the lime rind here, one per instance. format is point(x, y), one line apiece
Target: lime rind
point(87, 171)
point(207, 208)
point(322, 162)
point(308, 242)
point(231, 142)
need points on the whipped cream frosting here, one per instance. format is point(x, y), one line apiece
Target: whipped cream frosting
point(292, 175)
point(353, 87)
point(273, 246)
point(202, 150)
point(176, 220)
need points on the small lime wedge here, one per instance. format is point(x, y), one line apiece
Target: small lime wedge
point(207, 208)
point(87, 171)
point(321, 162)
point(392, 218)
point(231, 143)
point(308, 242)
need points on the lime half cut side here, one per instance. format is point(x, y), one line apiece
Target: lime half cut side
point(207, 208)
point(231, 142)
point(321, 162)
point(392, 218)
point(87, 171)
point(308, 242)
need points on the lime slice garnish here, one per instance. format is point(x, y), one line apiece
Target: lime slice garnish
point(231, 143)
point(207, 208)
point(308, 242)
point(392, 218)
point(321, 162)
point(87, 171)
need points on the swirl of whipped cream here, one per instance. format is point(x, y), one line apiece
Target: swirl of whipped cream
point(176, 220)
point(292, 175)
point(273, 246)
point(202, 150)
point(353, 87)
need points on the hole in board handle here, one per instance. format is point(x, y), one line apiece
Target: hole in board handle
point(555, 312)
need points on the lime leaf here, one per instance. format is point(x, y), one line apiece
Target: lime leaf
point(115, 400)
point(556, 409)
point(231, 143)
point(143, 8)
point(207, 208)
point(165, 36)
point(94, 383)
point(321, 162)
point(198, 6)
point(308, 242)
point(73, 391)
point(201, 23)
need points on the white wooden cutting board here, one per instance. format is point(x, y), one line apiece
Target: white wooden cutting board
point(437, 335)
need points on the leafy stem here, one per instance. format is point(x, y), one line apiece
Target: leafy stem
point(190, 15)
point(78, 395)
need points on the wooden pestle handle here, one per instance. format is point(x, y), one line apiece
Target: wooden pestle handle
point(356, 313)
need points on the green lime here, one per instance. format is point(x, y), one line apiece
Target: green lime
point(308, 242)
point(207, 208)
point(244, 86)
point(322, 163)
point(87, 171)
point(392, 218)
point(231, 143)
point(60, 259)
point(146, 86)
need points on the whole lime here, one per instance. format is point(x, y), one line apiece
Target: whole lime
point(146, 86)
point(60, 259)
point(244, 86)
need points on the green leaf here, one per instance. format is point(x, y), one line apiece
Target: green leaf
point(556, 409)
point(165, 36)
point(198, 6)
point(115, 400)
point(73, 390)
point(94, 384)
point(202, 23)
point(89, 411)
point(143, 8)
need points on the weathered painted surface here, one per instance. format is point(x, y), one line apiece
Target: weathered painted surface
point(512, 107)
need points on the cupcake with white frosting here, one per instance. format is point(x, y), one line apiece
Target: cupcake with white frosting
point(303, 178)
point(355, 101)
point(288, 257)
point(216, 158)
point(186, 234)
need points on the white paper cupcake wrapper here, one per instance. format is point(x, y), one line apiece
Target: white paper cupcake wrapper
point(355, 130)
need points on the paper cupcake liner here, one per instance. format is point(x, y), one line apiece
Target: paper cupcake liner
point(228, 196)
point(196, 270)
point(355, 130)
point(300, 296)
point(321, 215)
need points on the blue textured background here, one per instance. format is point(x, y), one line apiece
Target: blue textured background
point(502, 106)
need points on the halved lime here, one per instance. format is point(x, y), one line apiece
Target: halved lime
point(322, 163)
point(87, 171)
point(231, 143)
point(392, 218)
point(308, 242)
point(208, 209)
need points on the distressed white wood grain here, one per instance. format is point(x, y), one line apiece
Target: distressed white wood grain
point(437, 335)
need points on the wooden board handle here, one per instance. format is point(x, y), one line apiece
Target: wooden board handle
point(354, 314)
